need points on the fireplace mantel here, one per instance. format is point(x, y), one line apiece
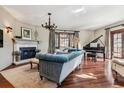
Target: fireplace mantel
point(15, 40)
point(19, 43)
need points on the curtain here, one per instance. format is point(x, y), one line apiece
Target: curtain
point(51, 48)
point(76, 39)
point(107, 44)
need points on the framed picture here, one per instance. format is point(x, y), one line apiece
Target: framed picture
point(1, 38)
point(26, 33)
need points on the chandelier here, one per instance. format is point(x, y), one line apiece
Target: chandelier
point(49, 25)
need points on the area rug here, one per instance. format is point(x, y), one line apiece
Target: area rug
point(24, 77)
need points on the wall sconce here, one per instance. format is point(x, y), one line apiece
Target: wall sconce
point(8, 29)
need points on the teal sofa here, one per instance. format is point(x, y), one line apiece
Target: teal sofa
point(56, 67)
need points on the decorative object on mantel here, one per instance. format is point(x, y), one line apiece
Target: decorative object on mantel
point(26, 33)
point(51, 28)
point(35, 34)
point(17, 55)
point(8, 29)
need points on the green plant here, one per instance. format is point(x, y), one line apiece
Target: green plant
point(17, 53)
point(37, 50)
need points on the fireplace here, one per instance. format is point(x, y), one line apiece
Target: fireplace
point(27, 52)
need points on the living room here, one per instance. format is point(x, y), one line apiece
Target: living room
point(27, 31)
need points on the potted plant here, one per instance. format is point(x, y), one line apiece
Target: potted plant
point(17, 55)
point(37, 50)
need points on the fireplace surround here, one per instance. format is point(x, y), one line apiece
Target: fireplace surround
point(27, 49)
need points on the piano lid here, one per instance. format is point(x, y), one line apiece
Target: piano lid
point(94, 41)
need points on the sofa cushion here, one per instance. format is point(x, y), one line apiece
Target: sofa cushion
point(59, 57)
point(53, 57)
point(74, 49)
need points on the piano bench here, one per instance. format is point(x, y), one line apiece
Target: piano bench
point(92, 55)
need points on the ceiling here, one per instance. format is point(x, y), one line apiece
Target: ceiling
point(75, 17)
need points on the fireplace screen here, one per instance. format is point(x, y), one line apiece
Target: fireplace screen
point(27, 52)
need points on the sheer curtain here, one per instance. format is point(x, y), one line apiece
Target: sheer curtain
point(51, 48)
point(107, 44)
point(76, 33)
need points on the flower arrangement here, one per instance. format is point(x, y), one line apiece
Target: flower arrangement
point(76, 41)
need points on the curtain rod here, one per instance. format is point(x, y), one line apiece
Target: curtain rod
point(114, 26)
point(67, 30)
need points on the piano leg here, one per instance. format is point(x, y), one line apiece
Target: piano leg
point(84, 56)
point(104, 56)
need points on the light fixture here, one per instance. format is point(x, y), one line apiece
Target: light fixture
point(79, 10)
point(48, 25)
point(8, 29)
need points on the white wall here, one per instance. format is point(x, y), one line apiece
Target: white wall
point(98, 33)
point(43, 38)
point(6, 52)
point(86, 37)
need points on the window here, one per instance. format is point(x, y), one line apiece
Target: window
point(117, 44)
point(57, 40)
point(64, 40)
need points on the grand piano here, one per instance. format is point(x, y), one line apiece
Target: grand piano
point(95, 47)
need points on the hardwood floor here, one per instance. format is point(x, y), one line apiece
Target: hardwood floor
point(92, 75)
point(89, 75)
point(4, 83)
